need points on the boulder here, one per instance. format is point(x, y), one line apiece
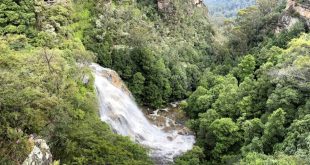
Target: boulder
point(302, 8)
point(286, 22)
point(113, 77)
point(163, 4)
point(85, 79)
point(40, 154)
point(198, 3)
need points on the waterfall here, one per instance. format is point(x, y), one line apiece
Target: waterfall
point(119, 110)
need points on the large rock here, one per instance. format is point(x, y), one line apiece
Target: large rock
point(40, 154)
point(198, 3)
point(163, 4)
point(288, 19)
point(112, 76)
point(303, 9)
point(85, 79)
point(286, 22)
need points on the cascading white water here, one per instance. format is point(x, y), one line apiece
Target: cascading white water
point(120, 111)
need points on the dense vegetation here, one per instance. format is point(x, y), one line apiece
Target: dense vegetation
point(257, 110)
point(158, 53)
point(246, 89)
point(42, 92)
point(260, 107)
point(227, 8)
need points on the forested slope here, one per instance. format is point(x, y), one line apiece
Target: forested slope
point(257, 110)
point(159, 49)
point(246, 92)
point(260, 108)
point(227, 8)
point(42, 66)
point(47, 89)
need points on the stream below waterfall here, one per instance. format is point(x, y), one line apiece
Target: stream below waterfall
point(119, 110)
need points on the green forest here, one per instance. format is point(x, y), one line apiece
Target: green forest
point(245, 85)
point(227, 8)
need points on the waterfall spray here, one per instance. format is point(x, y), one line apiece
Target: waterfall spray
point(119, 110)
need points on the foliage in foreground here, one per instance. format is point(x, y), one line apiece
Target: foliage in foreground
point(250, 101)
point(42, 92)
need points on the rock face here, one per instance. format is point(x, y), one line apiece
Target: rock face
point(168, 119)
point(303, 9)
point(198, 3)
point(163, 4)
point(113, 77)
point(40, 154)
point(288, 20)
point(85, 79)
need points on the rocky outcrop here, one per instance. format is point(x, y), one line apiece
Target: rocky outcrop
point(171, 118)
point(40, 154)
point(85, 79)
point(302, 9)
point(113, 77)
point(286, 22)
point(163, 4)
point(295, 12)
point(198, 3)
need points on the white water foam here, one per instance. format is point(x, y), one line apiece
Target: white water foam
point(121, 112)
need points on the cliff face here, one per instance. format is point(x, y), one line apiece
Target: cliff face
point(295, 12)
point(198, 3)
point(302, 9)
point(111, 76)
point(114, 78)
point(286, 22)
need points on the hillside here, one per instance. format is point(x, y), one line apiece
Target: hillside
point(239, 90)
point(170, 39)
point(227, 8)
